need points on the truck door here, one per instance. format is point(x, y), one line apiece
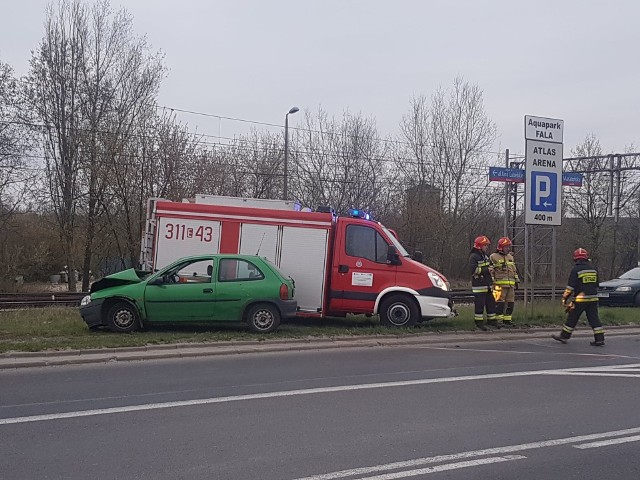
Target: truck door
point(359, 269)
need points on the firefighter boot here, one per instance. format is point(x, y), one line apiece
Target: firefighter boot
point(598, 337)
point(565, 334)
point(493, 323)
point(480, 326)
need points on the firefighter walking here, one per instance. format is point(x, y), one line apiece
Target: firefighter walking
point(481, 282)
point(505, 281)
point(583, 286)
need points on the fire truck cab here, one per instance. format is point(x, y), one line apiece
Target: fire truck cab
point(340, 264)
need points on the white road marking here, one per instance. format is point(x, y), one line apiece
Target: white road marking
point(257, 396)
point(445, 467)
point(470, 454)
point(613, 441)
point(521, 352)
point(308, 391)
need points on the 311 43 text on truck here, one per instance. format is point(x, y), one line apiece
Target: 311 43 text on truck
point(340, 264)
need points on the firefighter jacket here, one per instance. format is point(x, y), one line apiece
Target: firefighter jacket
point(479, 269)
point(583, 283)
point(503, 268)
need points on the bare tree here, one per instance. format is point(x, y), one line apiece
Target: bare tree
point(445, 156)
point(15, 144)
point(340, 164)
point(590, 202)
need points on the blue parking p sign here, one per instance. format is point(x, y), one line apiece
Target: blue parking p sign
point(544, 187)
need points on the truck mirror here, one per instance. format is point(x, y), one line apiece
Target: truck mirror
point(392, 255)
point(417, 256)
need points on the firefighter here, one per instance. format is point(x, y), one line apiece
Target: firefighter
point(505, 281)
point(481, 283)
point(583, 285)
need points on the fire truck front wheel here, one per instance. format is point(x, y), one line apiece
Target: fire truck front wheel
point(263, 318)
point(399, 310)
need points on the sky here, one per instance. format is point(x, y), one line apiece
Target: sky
point(578, 61)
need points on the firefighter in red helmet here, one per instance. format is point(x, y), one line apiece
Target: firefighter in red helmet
point(583, 286)
point(481, 283)
point(505, 281)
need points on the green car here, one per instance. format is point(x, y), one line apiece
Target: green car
point(200, 288)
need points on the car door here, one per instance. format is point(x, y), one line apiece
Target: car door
point(184, 292)
point(238, 281)
point(360, 269)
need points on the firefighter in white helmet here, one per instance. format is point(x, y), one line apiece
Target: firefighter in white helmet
point(505, 281)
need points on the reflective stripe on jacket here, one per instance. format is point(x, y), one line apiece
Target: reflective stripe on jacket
point(583, 282)
point(504, 270)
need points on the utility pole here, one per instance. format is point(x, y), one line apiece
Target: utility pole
point(507, 206)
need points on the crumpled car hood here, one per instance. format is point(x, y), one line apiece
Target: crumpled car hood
point(126, 277)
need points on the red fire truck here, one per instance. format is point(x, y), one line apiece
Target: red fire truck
point(340, 264)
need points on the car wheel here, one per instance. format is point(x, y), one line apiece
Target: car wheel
point(263, 318)
point(399, 311)
point(122, 317)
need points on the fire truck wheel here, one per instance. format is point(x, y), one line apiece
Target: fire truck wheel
point(399, 311)
point(263, 318)
point(122, 317)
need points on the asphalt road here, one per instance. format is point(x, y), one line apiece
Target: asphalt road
point(527, 409)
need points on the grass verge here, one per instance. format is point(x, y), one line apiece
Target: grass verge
point(58, 328)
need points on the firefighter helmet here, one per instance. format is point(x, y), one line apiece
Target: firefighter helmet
point(504, 242)
point(480, 242)
point(580, 254)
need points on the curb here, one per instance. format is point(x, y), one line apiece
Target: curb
point(16, 360)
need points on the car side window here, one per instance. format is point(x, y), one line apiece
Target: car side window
point(197, 271)
point(365, 242)
point(236, 270)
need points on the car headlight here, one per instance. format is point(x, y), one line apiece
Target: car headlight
point(85, 300)
point(623, 289)
point(437, 281)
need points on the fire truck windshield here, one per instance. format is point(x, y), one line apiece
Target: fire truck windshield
point(395, 241)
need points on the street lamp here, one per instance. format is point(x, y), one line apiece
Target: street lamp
point(286, 151)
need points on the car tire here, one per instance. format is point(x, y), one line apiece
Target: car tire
point(122, 317)
point(263, 318)
point(398, 311)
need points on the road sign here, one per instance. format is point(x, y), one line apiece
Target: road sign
point(501, 174)
point(543, 183)
point(516, 175)
point(572, 179)
point(543, 129)
point(544, 188)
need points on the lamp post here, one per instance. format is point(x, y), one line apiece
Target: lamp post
point(285, 193)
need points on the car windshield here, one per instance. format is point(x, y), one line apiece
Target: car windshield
point(395, 241)
point(633, 274)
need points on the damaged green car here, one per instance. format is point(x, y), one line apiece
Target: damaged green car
point(201, 288)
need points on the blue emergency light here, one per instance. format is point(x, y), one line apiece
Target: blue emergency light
point(357, 213)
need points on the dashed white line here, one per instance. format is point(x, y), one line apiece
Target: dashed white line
point(470, 454)
point(613, 441)
point(445, 467)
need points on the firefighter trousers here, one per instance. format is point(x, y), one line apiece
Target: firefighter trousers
point(484, 301)
point(591, 310)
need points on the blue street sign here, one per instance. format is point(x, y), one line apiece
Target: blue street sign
point(544, 186)
point(517, 175)
point(572, 179)
point(501, 174)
